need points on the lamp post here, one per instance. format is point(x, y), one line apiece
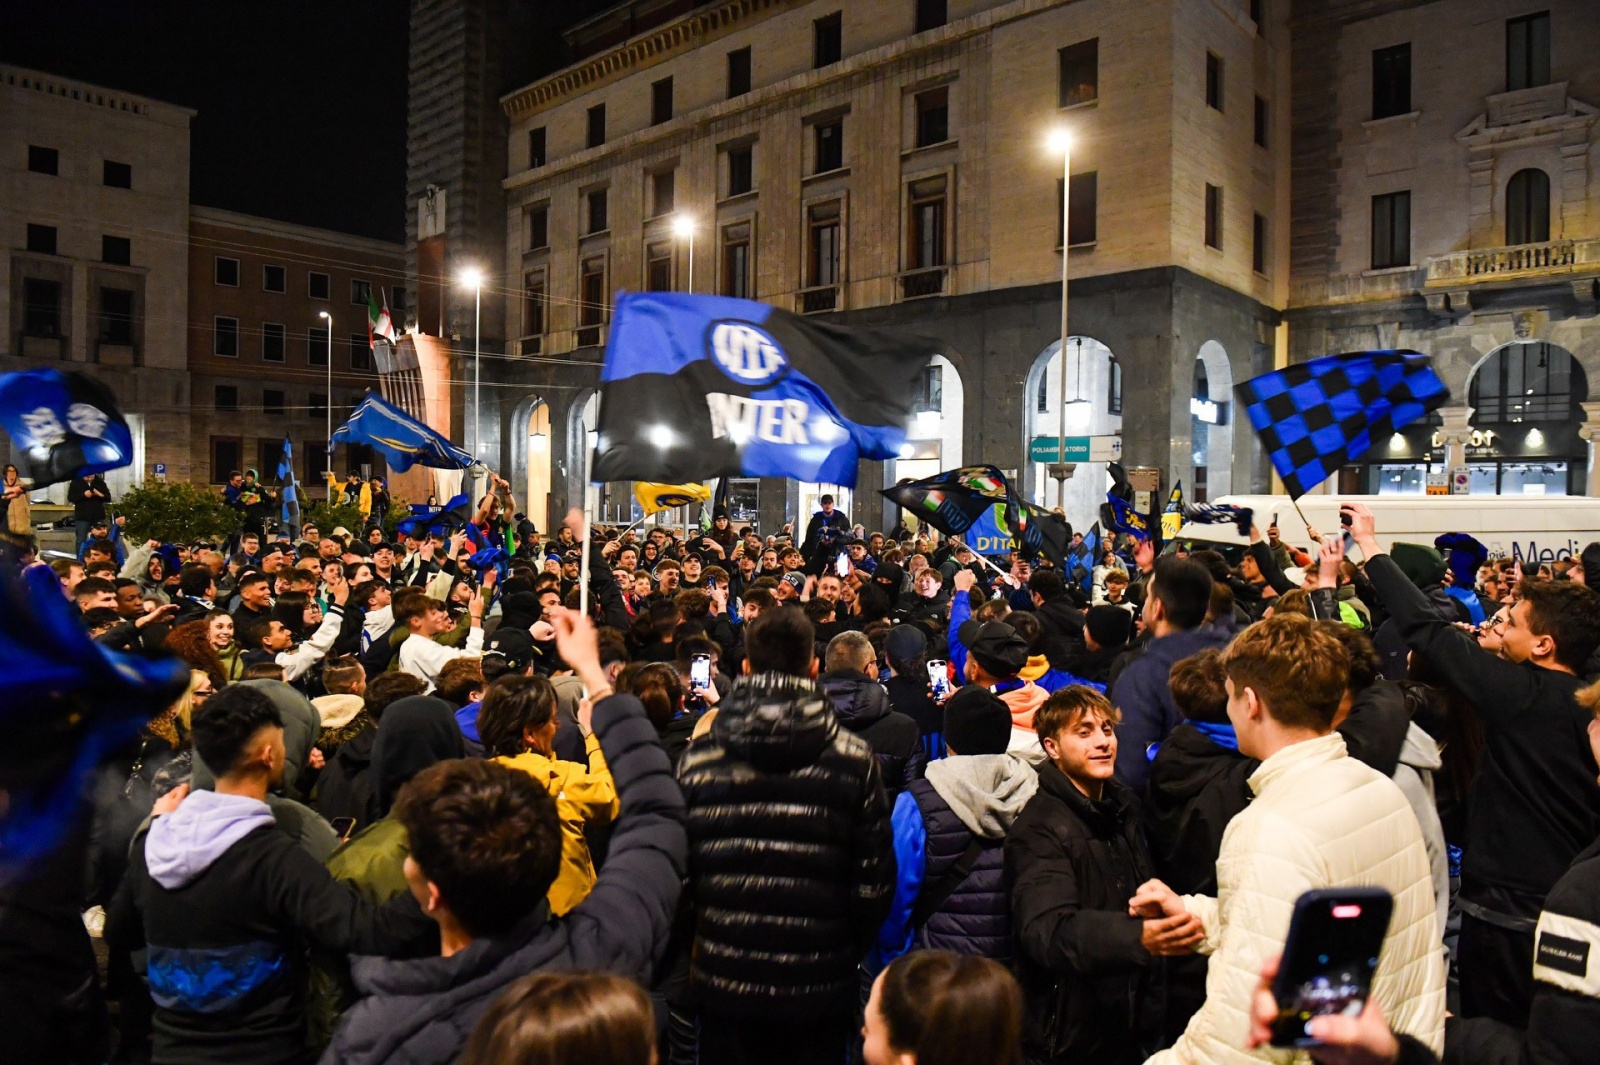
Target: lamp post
point(683, 228)
point(1061, 141)
point(473, 278)
point(325, 316)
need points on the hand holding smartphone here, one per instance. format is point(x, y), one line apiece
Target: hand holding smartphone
point(1330, 959)
point(939, 679)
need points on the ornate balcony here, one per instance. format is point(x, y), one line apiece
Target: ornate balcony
point(1553, 259)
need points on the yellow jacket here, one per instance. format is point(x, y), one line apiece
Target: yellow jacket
point(583, 795)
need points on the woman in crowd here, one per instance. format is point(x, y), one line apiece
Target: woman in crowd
point(191, 642)
point(660, 688)
point(560, 1018)
point(14, 490)
point(933, 1007)
point(220, 635)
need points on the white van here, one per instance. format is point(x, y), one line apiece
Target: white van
point(1533, 529)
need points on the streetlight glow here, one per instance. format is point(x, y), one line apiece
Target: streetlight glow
point(1060, 140)
point(472, 277)
point(682, 225)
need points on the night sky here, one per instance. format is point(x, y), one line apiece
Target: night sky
point(302, 103)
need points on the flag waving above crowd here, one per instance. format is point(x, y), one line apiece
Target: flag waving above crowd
point(403, 440)
point(696, 387)
point(62, 425)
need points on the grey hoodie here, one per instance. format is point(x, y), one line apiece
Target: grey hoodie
point(1419, 760)
point(183, 844)
point(986, 791)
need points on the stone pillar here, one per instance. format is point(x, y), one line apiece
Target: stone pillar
point(1456, 432)
point(1590, 431)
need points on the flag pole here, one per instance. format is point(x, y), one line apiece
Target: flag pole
point(588, 538)
point(1300, 512)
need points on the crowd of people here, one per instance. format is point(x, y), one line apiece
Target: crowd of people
point(823, 798)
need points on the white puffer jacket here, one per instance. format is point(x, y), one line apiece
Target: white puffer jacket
point(1320, 819)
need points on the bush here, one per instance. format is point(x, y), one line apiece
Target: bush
point(176, 513)
point(329, 516)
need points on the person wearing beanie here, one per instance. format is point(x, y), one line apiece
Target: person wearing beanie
point(1425, 568)
point(1106, 632)
point(1463, 554)
point(1074, 859)
point(949, 838)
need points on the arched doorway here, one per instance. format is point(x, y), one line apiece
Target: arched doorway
point(534, 417)
point(1210, 433)
point(1083, 402)
point(1525, 399)
point(933, 437)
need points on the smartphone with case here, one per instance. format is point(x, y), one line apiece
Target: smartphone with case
point(1329, 960)
point(939, 678)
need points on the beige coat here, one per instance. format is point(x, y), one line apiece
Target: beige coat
point(1320, 819)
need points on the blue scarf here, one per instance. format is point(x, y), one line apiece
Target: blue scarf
point(1221, 735)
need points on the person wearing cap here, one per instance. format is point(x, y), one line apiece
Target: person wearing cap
point(949, 838)
point(1074, 858)
point(862, 706)
point(996, 654)
point(827, 525)
point(571, 565)
point(694, 564)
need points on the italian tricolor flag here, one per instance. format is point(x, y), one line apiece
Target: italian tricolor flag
point(378, 321)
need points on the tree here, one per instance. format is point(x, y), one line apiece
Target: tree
point(176, 513)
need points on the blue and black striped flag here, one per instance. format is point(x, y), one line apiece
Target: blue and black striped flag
point(291, 488)
point(696, 387)
point(1314, 417)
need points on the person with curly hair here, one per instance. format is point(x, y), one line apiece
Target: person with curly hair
point(191, 642)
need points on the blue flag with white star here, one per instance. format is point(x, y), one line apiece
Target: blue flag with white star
point(696, 387)
point(1314, 417)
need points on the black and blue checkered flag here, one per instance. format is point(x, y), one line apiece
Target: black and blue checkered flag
point(1314, 417)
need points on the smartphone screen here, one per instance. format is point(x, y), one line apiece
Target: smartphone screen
point(1335, 937)
point(700, 672)
point(841, 566)
point(342, 826)
point(939, 677)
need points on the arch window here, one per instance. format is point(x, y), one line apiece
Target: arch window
point(1528, 207)
point(1532, 382)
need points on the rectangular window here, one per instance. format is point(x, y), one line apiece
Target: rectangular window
point(225, 337)
point(1214, 86)
point(225, 397)
point(736, 262)
point(359, 292)
point(536, 156)
point(274, 278)
point(592, 292)
point(360, 352)
point(116, 316)
point(1083, 211)
point(827, 40)
point(116, 175)
point(597, 126)
point(738, 72)
point(225, 458)
point(116, 250)
point(925, 226)
point(1080, 73)
point(661, 102)
point(1528, 51)
point(1114, 388)
point(933, 117)
point(658, 268)
point(662, 186)
point(928, 392)
point(741, 170)
point(1214, 216)
point(44, 160)
point(318, 404)
point(41, 307)
point(828, 140)
point(538, 227)
point(597, 211)
point(931, 14)
point(1258, 243)
point(316, 347)
point(273, 347)
point(319, 286)
point(41, 239)
point(1391, 81)
point(272, 403)
point(225, 272)
point(533, 303)
point(1261, 122)
point(822, 260)
point(1391, 230)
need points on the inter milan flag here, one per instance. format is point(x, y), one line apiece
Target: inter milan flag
point(455, 514)
point(62, 425)
point(656, 497)
point(1314, 417)
point(1037, 531)
point(291, 488)
point(403, 440)
point(696, 387)
point(954, 500)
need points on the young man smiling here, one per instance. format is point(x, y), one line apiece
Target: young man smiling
point(1073, 858)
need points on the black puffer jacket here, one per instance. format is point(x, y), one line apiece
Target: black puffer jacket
point(1063, 632)
point(863, 707)
point(791, 867)
point(1073, 865)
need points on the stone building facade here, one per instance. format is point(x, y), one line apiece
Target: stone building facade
point(94, 271)
point(258, 346)
point(886, 162)
point(1447, 199)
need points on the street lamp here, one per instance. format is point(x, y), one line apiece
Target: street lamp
point(1061, 141)
point(472, 277)
point(683, 229)
point(329, 408)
